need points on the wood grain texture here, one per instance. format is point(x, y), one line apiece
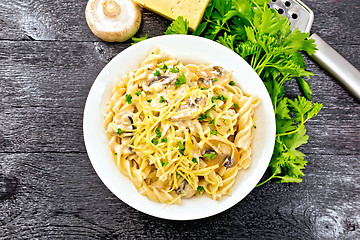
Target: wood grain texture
point(49, 190)
point(58, 195)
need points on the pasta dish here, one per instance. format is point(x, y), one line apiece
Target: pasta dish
point(180, 130)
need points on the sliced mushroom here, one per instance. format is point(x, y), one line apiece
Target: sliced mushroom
point(225, 152)
point(192, 108)
point(185, 190)
point(125, 120)
point(158, 83)
point(113, 21)
point(212, 76)
point(164, 79)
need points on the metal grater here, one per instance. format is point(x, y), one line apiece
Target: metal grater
point(301, 17)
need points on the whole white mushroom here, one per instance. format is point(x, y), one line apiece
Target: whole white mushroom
point(113, 20)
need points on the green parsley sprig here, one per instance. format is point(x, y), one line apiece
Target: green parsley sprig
point(139, 39)
point(180, 80)
point(263, 38)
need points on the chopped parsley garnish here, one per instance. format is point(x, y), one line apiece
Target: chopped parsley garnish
point(156, 73)
point(224, 121)
point(174, 69)
point(200, 189)
point(138, 93)
point(254, 126)
point(209, 156)
point(212, 121)
point(149, 101)
point(232, 83)
point(115, 153)
point(214, 132)
point(213, 99)
point(157, 132)
point(164, 164)
point(204, 116)
point(221, 97)
point(194, 160)
point(128, 98)
point(202, 88)
point(155, 141)
point(164, 67)
point(235, 106)
point(163, 140)
point(181, 147)
point(162, 99)
point(215, 79)
point(181, 80)
point(119, 131)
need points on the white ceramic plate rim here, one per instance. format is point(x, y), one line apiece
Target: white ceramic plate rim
point(187, 49)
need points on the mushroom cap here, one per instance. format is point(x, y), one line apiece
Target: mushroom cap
point(225, 151)
point(207, 76)
point(118, 26)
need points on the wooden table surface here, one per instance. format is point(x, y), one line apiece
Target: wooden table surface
point(48, 189)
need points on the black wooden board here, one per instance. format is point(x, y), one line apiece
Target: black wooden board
point(49, 190)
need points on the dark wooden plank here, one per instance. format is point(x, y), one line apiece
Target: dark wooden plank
point(48, 189)
point(42, 20)
point(336, 21)
point(58, 195)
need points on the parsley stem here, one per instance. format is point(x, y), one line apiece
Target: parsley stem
point(271, 177)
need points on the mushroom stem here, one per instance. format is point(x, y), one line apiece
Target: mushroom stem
point(111, 8)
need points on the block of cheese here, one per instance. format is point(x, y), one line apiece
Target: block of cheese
point(192, 10)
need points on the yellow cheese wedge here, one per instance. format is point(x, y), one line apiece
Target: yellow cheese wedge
point(192, 10)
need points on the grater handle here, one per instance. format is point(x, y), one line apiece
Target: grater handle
point(337, 65)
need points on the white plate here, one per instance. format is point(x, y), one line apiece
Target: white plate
point(189, 49)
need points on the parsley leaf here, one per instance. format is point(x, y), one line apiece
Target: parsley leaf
point(157, 132)
point(221, 97)
point(136, 40)
point(200, 189)
point(209, 156)
point(194, 160)
point(181, 147)
point(163, 164)
point(205, 115)
point(162, 99)
point(149, 100)
point(155, 141)
point(235, 106)
point(232, 83)
point(174, 69)
point(180, 80)
point(156, 73)
point(214, 132)
point(128, 98)
point(179, 26)
point(164, 140)
point(164, 67)
point(119, 131)
point(138, 93)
